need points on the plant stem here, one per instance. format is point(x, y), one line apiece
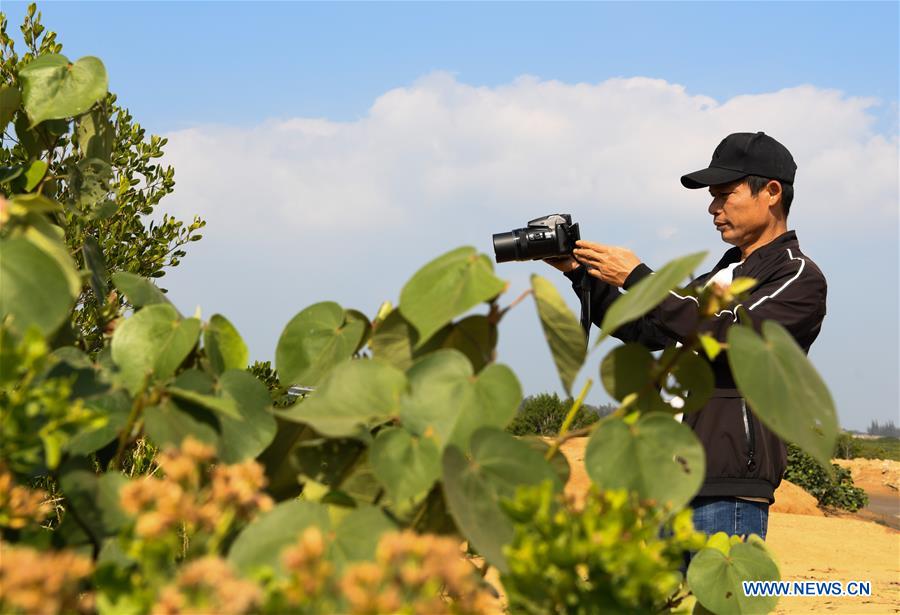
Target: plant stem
point(136, 409)
point(576, 406)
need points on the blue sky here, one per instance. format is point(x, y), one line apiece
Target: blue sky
point(334, 148)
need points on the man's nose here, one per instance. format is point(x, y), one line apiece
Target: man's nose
point(714, 207)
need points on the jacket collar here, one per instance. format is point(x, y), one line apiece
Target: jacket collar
point(776, 246)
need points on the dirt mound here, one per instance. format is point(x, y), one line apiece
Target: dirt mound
point(874, 475)
point(789, 498)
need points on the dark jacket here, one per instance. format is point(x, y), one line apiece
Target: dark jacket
point(743, 458)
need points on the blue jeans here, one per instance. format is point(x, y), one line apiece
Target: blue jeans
point(730, 515)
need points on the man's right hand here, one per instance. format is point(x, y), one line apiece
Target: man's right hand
point(563, 263)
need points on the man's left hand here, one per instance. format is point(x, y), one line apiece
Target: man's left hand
point(608, 263)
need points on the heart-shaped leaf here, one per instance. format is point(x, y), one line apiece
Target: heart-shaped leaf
point(259, 545)
point(153, 342)
point(783, 388)
point(445, 398)
point(169, 423)
point(658, 458)
point(473, 486)
point(54, 88)
point(716, 578)
point(248, 435)
point(405, 464)
point(649, 292)
point(691, 379)
point(314, 341)
point(224, 346)
point(562, 330)
point(35, 289)
point(447, 287)
point(353, 395)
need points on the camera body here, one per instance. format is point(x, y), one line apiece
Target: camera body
point(546, 237)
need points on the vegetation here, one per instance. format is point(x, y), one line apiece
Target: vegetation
point(888, 429)
point(880, 448)
point(175, 480)
point(832, 487)
point(543, 415)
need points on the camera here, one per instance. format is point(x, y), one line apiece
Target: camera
point(546, 237)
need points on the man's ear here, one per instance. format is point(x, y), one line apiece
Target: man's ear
point(773, 192)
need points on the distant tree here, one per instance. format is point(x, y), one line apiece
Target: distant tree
point(888, 430)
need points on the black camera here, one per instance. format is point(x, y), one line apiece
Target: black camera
point(546, 237)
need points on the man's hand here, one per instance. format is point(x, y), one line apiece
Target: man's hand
point(563, 263)
point(608, 263)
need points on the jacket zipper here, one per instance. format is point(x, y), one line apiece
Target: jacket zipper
point(751, 438)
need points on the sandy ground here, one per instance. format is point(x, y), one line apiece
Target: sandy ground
point(811, 544)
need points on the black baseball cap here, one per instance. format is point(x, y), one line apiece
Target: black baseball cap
point(742, 154)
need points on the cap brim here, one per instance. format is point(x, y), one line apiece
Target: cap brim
point(710, 177)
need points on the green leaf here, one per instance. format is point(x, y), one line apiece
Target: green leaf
point(326, 460)
point(314, 341)
point(649, 292)
point(658, 458)
point(223, 406)
point(168, 423)
point(562, 330)
point(507, 462)
point(445, 398)
point(139, 291)
point(95, 135)
point(473, 487)
point(94, 499)
point(473, 504)
point(35, 289)
point(353, 395)
point(627, 369)
point(447, 287)
point(405, 464)
point(248, 435)
point(9, 102)
point(51, 239)
point(691, 379)
point(357, 534)
point(741, 285)
point(154, 341)
point(395, 340)
point(96, 264)
point(115, 407)
point(711, 345)
point(23, 204)
point(783, 388)
point(224, 346)
point(54, 88)
point(34, 174)
point(715, 578)
point(474, 336)
point(260, 544)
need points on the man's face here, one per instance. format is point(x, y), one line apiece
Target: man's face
point(738, 215)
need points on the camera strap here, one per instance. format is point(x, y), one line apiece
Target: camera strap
point(586, 305)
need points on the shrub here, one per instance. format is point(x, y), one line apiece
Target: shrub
point(544, 414)
point(846, 447)
point(830, 489)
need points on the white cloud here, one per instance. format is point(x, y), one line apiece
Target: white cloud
point(310, 209)
point(439, 145)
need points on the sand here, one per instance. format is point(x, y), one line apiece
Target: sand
point(812, 544)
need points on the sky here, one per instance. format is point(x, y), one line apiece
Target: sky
point(335, 148)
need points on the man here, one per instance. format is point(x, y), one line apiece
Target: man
point(750, 179)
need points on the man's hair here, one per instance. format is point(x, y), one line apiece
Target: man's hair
point(757, 183)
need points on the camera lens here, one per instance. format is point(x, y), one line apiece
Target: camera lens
point(506, 247)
